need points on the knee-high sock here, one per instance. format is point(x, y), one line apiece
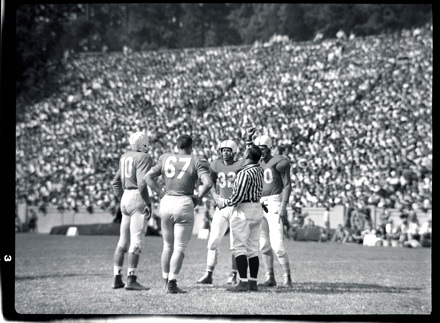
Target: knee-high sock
point(242, 266)
point(254, 264)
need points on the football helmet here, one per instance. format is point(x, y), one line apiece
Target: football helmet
point(263, 140)
point(139, 141)
point(229, 144)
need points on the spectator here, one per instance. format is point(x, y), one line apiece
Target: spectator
point(18, 227)
point(392, 232)
point(403, 230)
point(357, 237)
point(326, 217)
point(310, 224)
point(426, 233)
point(340, 235)
point(357, 219)
point(33, 221)
point(344, 123)
point(413, 227)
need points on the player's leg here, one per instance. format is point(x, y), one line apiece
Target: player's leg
point(239, 236)
point(219, 226)
point(121, 249)
point(138, 227)
point(276, 237)
point(167, 226)
point(232, 279)
point(266, 253)
point(233, 276)
point(255, 218)
point(183, 228)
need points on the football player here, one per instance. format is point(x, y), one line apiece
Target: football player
point(181, 172)
point(223, 173)
point(132, 193)
point(276, 193)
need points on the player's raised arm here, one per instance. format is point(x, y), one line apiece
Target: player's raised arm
point(249, 134)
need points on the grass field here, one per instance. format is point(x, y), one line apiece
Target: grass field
point(56, 274)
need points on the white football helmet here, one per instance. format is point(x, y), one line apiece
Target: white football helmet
point(139, 141)
point(263, 140)
point(229, 144)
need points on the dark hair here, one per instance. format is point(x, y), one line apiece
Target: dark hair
point(184, 142)
point(254, 152)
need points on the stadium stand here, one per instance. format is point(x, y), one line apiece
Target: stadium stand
point(354, 117)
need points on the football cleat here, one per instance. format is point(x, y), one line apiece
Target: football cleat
point(139, 141)
point(206, 279)
point(269, 282)
point(118, 283)
point(240, 287)
point(287, 280)
point(173, 289)
point(132, 284)
point(253, 285)
point(232, 279)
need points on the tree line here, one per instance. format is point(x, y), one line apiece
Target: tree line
point(45, 33)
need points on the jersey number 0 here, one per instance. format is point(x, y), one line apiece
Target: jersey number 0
point(268, 176)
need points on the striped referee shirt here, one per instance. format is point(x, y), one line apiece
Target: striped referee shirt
point(248, 185)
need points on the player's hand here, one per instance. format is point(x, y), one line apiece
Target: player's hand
point(282, 212)
point(215, 196)
point(161, 195)
point(146, 213)
point(221, 203)
point(283, 219)
point(196, 199)
point(249, 133)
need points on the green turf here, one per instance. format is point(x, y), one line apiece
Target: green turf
point(73, 275)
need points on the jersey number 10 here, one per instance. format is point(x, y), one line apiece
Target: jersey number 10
point(126, 167)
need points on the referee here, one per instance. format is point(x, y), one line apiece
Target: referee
point(246, 219)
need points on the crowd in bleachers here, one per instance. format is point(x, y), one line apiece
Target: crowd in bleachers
point(354, 116)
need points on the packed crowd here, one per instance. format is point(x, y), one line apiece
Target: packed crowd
point(353, 116)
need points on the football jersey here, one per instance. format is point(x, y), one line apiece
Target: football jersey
point(273, 182)
point(133, 165)
point(180, 172)
point(225, 175)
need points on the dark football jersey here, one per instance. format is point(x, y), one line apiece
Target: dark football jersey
point(225, 175)
point(133, 165)
point(273, 183)
point(180, 172)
